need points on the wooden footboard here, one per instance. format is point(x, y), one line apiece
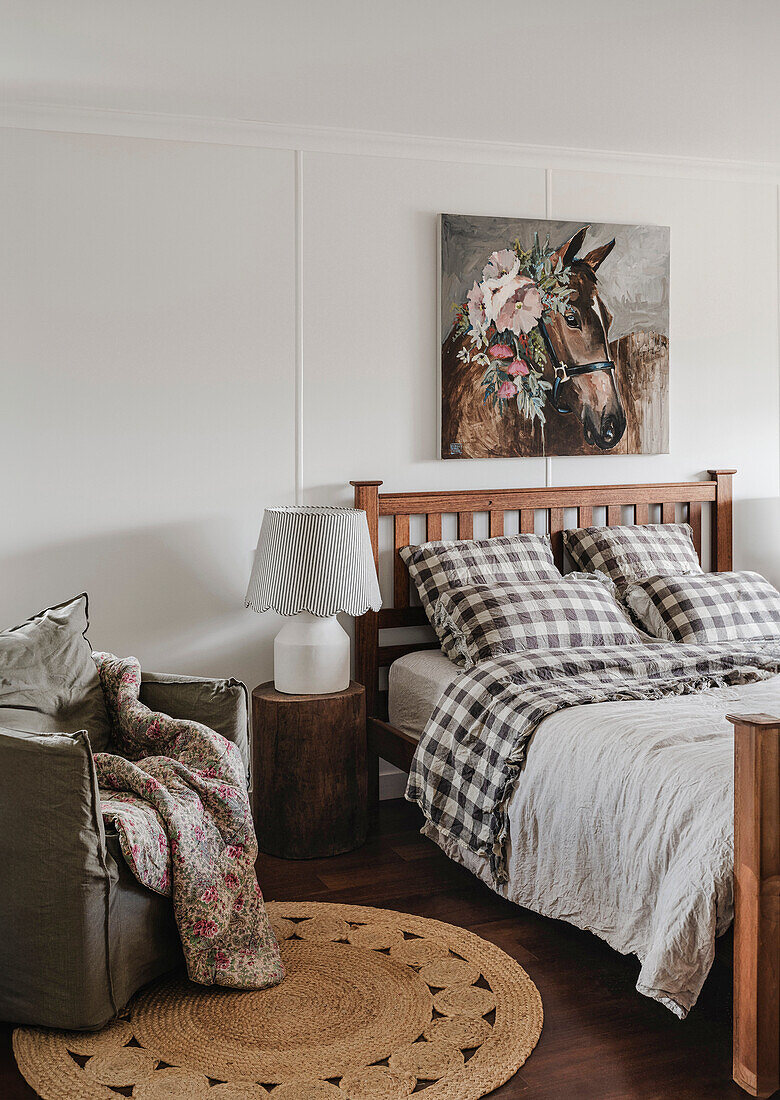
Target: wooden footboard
point(757, 903)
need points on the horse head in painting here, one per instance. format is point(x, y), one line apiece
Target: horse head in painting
point(577, 343)
point(564, 392)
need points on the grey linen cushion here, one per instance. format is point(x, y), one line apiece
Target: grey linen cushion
point(436, 567)
point(709, 607)
point(476, 623)
point(631, 552)
point(48, 680)
point(222, 705)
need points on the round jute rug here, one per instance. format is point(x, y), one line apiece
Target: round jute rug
point(375, 1005)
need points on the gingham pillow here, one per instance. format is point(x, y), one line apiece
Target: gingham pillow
point(436, 567)
point(710, 607)
point(629, 553)
point(476, 623)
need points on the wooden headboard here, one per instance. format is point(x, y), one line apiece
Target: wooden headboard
point(371, 656)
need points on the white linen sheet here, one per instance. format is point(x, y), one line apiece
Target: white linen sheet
point(415, 684)
point(621, 822)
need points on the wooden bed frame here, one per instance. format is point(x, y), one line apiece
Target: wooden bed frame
point(756, 736)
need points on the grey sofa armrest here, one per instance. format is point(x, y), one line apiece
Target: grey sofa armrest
point(55, 880)
point(222, 705)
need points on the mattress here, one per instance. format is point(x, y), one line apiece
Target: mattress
point(416, 684)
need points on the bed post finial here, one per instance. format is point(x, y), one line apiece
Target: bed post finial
point(756, 902)
point(722, 560)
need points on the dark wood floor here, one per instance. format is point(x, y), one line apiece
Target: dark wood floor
point(601, 1039)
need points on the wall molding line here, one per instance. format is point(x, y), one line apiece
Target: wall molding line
point(548, 192)
point(299, 426)
point(777, 232)
point(61, 118)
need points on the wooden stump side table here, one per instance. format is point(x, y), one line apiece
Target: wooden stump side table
point(309, 773)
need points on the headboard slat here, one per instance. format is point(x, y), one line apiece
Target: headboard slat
point(400, 572)
point(433, 526)
point(496, 523)
point(527, 521)
point(556, 535)
point(465, 525)
point(641, 513)
point(694, 518)
point(668, 512)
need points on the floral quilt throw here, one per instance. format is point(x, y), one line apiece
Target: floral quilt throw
point(177, 797)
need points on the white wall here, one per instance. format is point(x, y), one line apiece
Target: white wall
point(690, 77)
point(148, 405)
point(146, 409)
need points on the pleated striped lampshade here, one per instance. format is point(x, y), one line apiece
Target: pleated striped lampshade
point(314, 559)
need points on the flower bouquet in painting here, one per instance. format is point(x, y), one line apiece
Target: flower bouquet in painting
point(528, 363)
point(500, 321)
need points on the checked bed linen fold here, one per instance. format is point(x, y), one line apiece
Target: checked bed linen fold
point(470, 755)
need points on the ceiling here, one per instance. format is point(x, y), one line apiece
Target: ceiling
point(681, 77)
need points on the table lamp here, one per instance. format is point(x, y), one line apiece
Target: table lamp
point(309, 564)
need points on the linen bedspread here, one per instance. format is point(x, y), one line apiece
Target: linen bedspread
point(622, 820)
point(177, 796)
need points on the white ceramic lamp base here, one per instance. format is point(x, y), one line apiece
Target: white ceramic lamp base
point(311, 656)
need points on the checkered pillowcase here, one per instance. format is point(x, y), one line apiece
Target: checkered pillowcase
point(710, 607)
point(436, 567)
point(476, 623)
point(629, 553)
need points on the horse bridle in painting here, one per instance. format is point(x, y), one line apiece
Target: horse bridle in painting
point(565, 371)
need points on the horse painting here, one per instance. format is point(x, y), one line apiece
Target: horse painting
point(531, 364)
